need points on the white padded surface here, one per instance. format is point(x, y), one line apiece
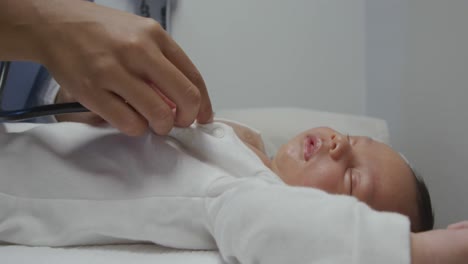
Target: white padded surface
point(115, 254)
point(277, 125)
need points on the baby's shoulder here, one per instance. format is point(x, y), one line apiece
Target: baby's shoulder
point(248, 135)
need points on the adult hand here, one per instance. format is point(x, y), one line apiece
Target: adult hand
point(85, 117)
point(89, 117)
point(447, 246)
point(109, 61)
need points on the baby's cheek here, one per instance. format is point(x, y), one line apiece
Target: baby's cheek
point(323, 178)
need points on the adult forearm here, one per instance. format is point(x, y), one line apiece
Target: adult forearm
point(19, 22)
point(27, 27)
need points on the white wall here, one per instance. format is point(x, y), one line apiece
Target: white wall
point(277, 53)
point(126, 5)
point(386, 43)
point(434, 98)
point(133, 6)
point(417, 79)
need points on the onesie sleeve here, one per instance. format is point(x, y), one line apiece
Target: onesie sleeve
point(256, 222)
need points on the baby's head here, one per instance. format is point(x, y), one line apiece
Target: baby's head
point(358, 166)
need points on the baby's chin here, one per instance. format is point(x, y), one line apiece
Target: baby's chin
point(274, 167)
point(281, 171)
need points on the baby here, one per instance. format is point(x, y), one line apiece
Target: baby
point(358, 166)
point(338, 164)
point(209, 187)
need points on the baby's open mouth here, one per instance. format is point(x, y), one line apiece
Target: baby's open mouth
point(311, 145)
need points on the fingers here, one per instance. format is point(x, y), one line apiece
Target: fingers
point(165, 99)
point(119, 114)
point(459, 225)
point(177, 87)
point(147, 102)
point(87, 118)
point(155, 104)
point(165, 65)
point(174, 53)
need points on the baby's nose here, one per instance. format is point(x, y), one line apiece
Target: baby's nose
point(339, 146)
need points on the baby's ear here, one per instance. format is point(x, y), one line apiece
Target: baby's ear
point(459, 225)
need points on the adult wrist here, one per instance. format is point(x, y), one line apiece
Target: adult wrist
point(28, 27)
point(18, 28)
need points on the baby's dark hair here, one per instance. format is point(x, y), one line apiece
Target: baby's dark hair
point(425, 211)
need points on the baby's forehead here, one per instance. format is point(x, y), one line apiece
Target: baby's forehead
point(397, 190)
point(372, 137)
point(383, 146)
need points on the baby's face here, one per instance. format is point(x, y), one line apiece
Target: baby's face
point(351, 165)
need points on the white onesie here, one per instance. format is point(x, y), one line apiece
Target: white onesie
point(200, 188)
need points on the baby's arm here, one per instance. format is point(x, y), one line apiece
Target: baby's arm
point(280, 224)
point(251, 139)
point(261, 223)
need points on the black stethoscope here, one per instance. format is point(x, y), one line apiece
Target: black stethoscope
point(32, 112)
